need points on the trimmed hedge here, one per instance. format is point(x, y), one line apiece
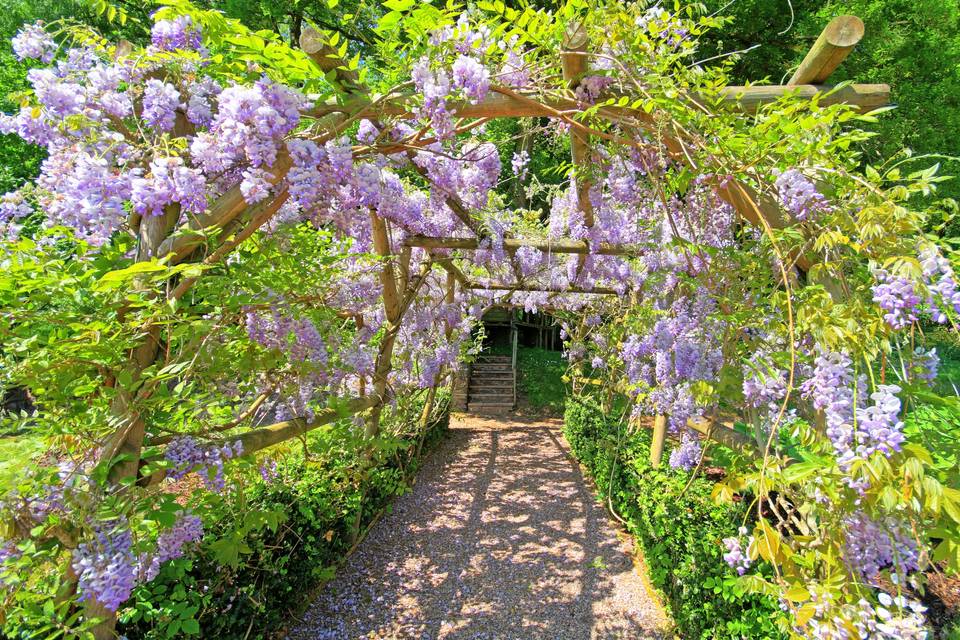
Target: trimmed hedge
point(680, 532)
point(290, 535)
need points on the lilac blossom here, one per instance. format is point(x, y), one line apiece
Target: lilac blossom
point(798, 195)
point(897, 296)
point(105, 566)
point(686, 455)
point(179, 33)
point(187, 455)
point(871, 545)
point(736, 555)
point(32, 41)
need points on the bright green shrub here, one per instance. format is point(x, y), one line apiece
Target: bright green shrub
point(680, 529)
point(541, 378)
point(271, 551)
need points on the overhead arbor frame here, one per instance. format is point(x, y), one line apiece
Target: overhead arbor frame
point(231, 216)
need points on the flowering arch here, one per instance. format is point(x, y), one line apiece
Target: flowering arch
point(251, 241)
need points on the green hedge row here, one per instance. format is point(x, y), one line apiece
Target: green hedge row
point(288, 537)
point(681, 532)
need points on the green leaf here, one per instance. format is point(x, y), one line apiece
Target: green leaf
point(398, 5)
point(123, 275)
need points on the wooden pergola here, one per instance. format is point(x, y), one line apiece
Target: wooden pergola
point(833, 45)
point(809, 81)
point(232, 216)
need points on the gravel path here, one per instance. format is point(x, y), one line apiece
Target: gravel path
point(500, 539)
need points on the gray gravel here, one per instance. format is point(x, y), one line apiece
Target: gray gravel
point(500, 539)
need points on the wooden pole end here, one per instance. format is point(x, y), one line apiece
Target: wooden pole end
point(845, 31)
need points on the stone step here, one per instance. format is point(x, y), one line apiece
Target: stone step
point(480, 385)
point(491, 368)
point(490, 407)
point(491, 388)
point(491, 396)
point(494, 358)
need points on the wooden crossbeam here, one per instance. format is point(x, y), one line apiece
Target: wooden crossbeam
point(503, 286)
point(835, 43)
point(512, 244)
point(452, 270)
point(574, 62)
point(866, 97)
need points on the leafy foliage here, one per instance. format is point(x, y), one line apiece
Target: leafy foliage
point(540, 378)
point(678, 525)
point(912, 46)
point(285, 539)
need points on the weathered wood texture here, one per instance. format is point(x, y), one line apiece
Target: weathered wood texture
point(865, 97)
point(573, 60)
point(835, 43)
point(512, 244)
point(264, 437)
point(526, 286)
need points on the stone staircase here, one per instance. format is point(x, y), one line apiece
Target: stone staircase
point(491, 385)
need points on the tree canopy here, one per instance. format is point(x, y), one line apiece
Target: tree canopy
point(235, 239)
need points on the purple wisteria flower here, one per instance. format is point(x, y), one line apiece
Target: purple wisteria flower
point(105, 566)
point(471, 77)
point(798, 195)
point(872, 545)
point(435, 88)
point(519, 163)
point(591, 87)
point(897, 296)
point(179, 33)
point(925, 366)
point(892, 618)
point(686, 455)
point(367, 132)
point(160, 103)
point(187, 455)
point(169, 181)
point(514, 72)
point(764, 385)
point(941, 281)
point(32, 41)
point(854, 434)
point(735, 555)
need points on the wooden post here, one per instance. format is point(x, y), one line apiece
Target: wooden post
point(659, 437)
point(404, 267)
point(835, 43)
point(574, 62)
point(391, 305)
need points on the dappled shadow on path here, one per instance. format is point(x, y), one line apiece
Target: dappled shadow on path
point(500, 538)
